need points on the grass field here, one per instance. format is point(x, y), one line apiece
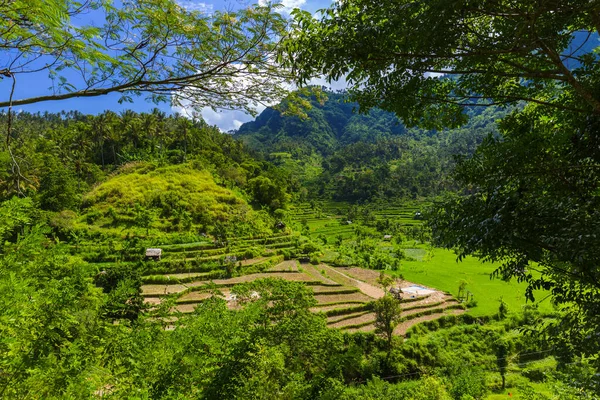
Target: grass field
point(442, 271)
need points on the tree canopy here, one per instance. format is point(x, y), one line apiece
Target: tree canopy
point(530, 199)
point(498, 52)
point(157, 48)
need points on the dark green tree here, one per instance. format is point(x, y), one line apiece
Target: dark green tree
point(502, 350)
point(58, 188)
point(387, 315)
point(267, 192)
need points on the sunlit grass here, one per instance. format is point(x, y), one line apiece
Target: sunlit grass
point(441, 270)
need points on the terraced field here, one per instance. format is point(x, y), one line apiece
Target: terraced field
point(189, 273)
point(344, 295)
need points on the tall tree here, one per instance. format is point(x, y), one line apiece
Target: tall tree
point(532, 195)
point(387, 316)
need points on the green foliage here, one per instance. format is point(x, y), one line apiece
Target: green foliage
point(267, 192)
point(343, 155)
point(123, 284)
point(391, 66)
point(164, 63)
point(502, 350)
point(532, 194)
point(49, 314)
point(58, 189)
point(15, 214)
point(429, 388)
point(387, 315)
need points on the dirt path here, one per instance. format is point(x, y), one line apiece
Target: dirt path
point(366, 288)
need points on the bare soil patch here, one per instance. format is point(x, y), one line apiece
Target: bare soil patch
point(404, 326)
point(368, 289)
point(310, 269)
point(366, 275)
point(326, 289)
point(252, 261)
point(289, 265)
point(361, 319)
point(152, 300)
point(366, 328)
point(293, 276)
point(433, 298)
point(185, 308)
point(157, 290)
point(289, 276)
point(194, 296)
point(338, 318)
point(350, 297)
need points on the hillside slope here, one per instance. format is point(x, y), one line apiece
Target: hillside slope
point(146, 199)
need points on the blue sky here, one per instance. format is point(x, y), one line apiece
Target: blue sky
point(39, 84)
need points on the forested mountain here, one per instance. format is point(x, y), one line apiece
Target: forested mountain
point(340, 153)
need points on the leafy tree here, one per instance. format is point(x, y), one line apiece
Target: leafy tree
point(489, 49)
point(49, 318)
point(268, 193)
point(123, 285)
point(502, 308)
point(156, 47)
point(502, 349)
point(58, 189)
point(387, 315)
point(532, 194)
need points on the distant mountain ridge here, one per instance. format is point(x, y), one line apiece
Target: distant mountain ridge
point(329, 126)
point(341, 154)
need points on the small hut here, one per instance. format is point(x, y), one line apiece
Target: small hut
point(153, 254)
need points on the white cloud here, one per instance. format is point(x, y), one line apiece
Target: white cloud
point(194, 5)
point(288, 5)
point(340, 84)
point(227, 120)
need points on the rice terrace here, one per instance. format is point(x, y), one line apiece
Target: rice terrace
point(343, 293)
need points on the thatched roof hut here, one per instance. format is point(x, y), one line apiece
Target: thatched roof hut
point(154, 254)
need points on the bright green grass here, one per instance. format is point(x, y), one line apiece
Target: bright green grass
point(443, 272)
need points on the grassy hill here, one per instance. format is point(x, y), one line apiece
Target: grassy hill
point(143, 199)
